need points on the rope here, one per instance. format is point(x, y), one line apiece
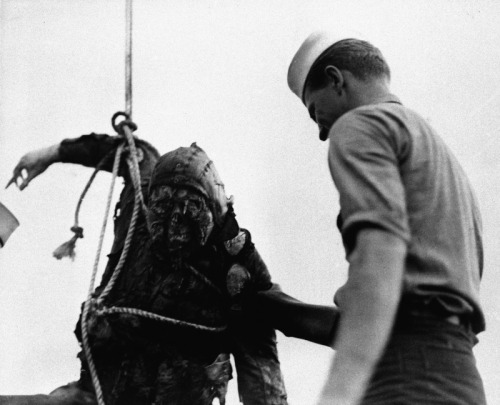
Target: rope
point(84, 192)
point(134, 170)
point(125, 128)
point(128, 58)
point(138, 202)
point(116, 166)
point(88, 302)
point(128, 108)
point(205, 279)
point(126, 247)
point(161, 318)
point(67, 249)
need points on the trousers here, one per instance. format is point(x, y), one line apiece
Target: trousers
point(427, 361)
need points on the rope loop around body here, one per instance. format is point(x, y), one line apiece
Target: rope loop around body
point(161, 318)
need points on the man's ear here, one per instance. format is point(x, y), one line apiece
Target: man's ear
point(335, 78)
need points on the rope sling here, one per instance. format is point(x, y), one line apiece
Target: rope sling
point(95, 303)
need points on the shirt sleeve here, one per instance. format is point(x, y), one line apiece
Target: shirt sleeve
point(364, 158)
point(94, 149)
point(89, 150)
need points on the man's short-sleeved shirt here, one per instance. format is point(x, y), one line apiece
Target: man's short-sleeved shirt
point(394, 172)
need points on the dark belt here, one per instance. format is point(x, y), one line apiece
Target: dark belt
point(453, 319)
point(406, 313)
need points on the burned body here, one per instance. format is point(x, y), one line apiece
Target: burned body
point(164, 331)
point(178, 276)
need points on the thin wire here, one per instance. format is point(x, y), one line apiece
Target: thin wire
point(128, 59)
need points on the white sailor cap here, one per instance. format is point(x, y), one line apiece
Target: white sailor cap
point(314, 45)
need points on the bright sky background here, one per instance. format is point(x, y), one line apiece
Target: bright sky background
point(214, 72)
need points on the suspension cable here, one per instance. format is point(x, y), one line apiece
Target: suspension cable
point(128, 58)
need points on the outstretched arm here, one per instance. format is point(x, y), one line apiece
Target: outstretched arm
point(294, 318)
point(86, 150)
point(264, 308)
point(250, 285)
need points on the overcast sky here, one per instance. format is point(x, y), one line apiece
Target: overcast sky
point(214, 72)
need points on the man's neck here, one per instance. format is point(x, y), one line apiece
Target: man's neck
point(366, 93)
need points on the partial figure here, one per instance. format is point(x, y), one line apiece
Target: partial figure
point(188, 261)
point(8, 224)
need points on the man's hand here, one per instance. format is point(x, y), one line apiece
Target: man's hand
point(72, 394)
point(98, 325)
point(238, 282)
point(33, 164)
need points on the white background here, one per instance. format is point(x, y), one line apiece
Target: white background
point(214, 72)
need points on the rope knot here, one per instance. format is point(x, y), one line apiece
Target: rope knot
point(78, 231)
point(67, 249)
point(128, 154)
point(119, 127)
point(129, 123)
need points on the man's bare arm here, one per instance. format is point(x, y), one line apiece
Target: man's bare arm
point(369, 304)
point(33, 164)
point(86, 150)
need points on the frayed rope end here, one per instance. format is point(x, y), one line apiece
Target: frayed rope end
point(67, 249)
